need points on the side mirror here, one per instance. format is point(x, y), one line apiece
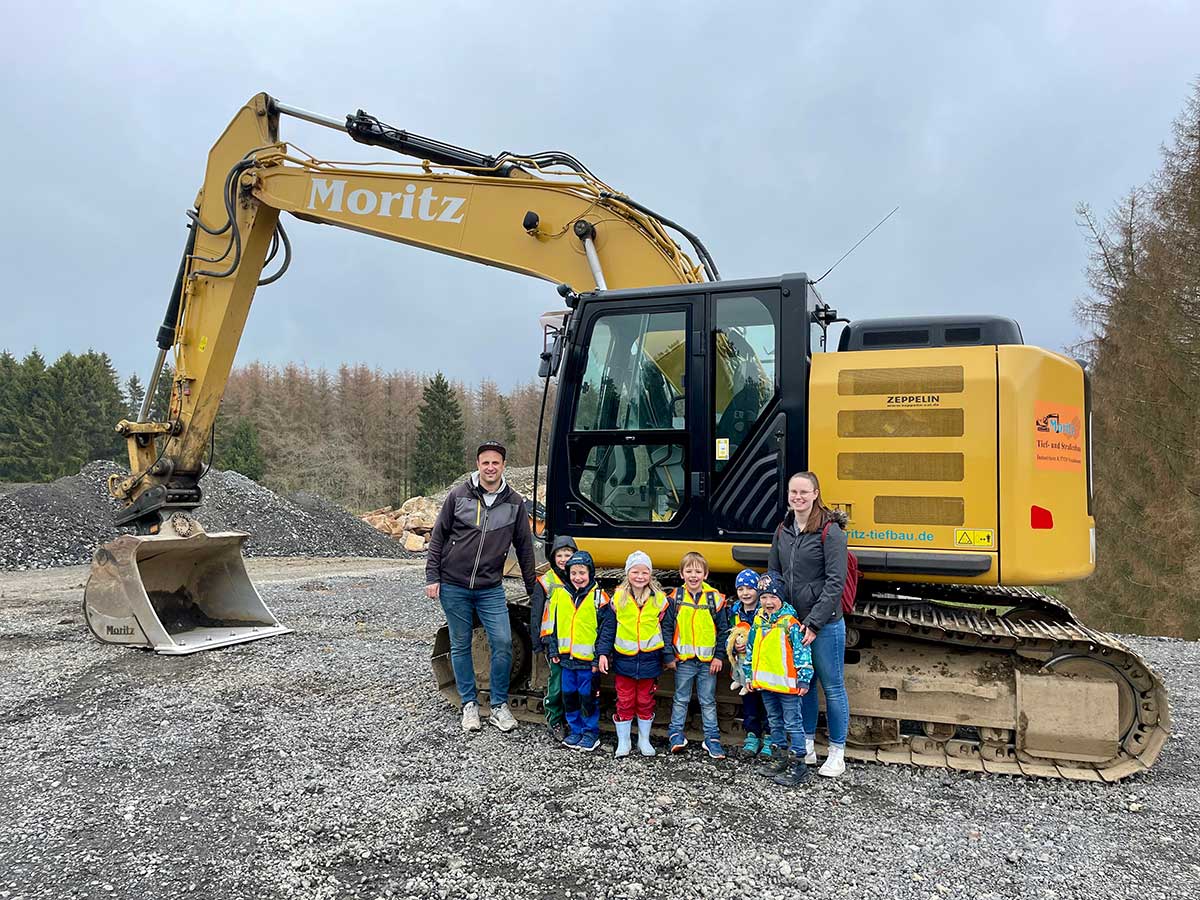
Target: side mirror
point(551, 358)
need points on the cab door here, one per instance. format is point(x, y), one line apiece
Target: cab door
point(635, 458)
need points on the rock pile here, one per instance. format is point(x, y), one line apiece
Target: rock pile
point(411, 523)
point(63, 522)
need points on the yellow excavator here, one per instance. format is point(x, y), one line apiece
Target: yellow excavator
point(961, 455)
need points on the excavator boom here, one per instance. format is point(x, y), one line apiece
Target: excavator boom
point(178, 589)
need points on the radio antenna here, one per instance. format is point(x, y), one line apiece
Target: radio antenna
point(855, 247)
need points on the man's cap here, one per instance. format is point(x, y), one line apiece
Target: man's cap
point(747, 578)
point(638, 558)
point(492, 445)
point(773, 583)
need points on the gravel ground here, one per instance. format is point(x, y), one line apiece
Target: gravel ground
point(324, 764)
point(63, 522)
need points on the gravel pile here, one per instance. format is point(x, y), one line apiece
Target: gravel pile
point(62, 523)
point(325, 765)
point(519, 478)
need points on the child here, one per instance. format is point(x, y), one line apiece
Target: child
point(780, 667)
point(754, 716)
point(701, 630)
point(539, 618)
point(574, 626)
point(636, 625)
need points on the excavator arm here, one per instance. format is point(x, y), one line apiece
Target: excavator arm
point(543, 215)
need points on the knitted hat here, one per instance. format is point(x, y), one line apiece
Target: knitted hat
point(773, 583)
point(747, 578)
point(638, 558)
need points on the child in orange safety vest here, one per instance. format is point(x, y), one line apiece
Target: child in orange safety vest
point(701, 632)
point(778, 666)
point(636, 643)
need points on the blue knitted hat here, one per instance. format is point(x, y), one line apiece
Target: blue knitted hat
point(747, 578)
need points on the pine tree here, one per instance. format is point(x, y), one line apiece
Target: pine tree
point(241, 451)
point(439, 451)
point(9, 414)
point(135, 393)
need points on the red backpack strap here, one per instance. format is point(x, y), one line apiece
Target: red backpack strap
point(825, 529)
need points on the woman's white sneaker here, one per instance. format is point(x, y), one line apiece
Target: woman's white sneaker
point(835, 763)
point(810, 752)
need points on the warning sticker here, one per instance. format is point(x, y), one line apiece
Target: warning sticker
point(722, 448)
point(975, 537)
point(1058, 433)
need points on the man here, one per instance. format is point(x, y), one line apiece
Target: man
point(468, 547)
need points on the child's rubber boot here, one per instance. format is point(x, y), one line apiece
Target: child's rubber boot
point(750, 746)
point(644, 747)
point(796, 772)
point(623, 730)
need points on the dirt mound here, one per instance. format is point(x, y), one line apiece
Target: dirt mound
point(62, 523)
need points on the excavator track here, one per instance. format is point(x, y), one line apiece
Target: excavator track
point(998, 680)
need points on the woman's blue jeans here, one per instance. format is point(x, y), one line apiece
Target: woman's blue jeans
point(828, 657)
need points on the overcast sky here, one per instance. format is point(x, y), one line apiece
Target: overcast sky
point(778, 132)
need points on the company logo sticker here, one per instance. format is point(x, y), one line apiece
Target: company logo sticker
point(1058, 436)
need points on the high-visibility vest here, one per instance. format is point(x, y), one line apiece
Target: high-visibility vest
point(639, 628)
point(576, 628)
point(549, 582)
point(772, 665)
point(695, 628)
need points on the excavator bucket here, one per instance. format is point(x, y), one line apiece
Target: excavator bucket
point(175, 592)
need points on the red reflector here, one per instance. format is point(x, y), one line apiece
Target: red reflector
point(1040, 518)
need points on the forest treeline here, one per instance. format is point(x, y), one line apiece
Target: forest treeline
point(1143, 312)
point(361, 437)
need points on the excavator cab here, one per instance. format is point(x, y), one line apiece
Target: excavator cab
point(680, 411)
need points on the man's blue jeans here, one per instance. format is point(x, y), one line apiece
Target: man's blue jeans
point(490, 605)
point(687, 672)
point(829, 658)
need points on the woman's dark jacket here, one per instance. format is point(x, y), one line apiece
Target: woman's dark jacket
point(814, 569)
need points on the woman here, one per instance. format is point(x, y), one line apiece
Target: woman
point(809, 549)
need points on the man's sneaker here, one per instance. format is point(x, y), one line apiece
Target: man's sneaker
point(676, 743)
point(571, 741)
point(588, 743)
point(502, 718)
point(714, 748)
point(558, 732)
point(750, 746)
point(470, 719)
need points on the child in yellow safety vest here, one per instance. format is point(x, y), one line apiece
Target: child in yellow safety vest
point(779, 666)
point(541, 640)
point(701, 632)
point(754, 714)
point(574, 612)
point(636, 631)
